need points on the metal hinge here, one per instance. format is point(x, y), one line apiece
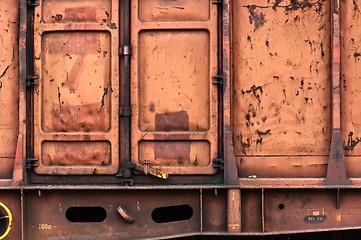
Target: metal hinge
point(218, 163)
point(31, 80)
point(32, 3)
point(125, 112)
point(147, 169)
point(220, 2)
point(31, 163)
point(218, 79)
point(127, 182)
point(125, 51)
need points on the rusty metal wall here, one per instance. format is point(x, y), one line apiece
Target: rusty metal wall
point(278, 114)
point(9, 90)
point(281, 88)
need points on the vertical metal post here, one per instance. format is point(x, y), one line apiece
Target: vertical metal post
point(126, 92)
point(336, 169)
point(30, 72)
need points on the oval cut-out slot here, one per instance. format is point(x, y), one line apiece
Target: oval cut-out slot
point(86, 214)
point(172, 213)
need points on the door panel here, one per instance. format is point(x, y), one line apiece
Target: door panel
point(76, 98)
point(174, 122)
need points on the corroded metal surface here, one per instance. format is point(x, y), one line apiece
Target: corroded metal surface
point(9, 26)
point(174, 122)
point(51, 221)
point(76, 98)
point(350, 86)
point(157, 70)
point(281, 87)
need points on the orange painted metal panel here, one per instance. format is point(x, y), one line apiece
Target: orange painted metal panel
point(186, 81)
point(174, 121)
point(350, 84)
point(76, 98)
point(281, 87)
point(9, 20)
point(55, 11)
point(179, 10)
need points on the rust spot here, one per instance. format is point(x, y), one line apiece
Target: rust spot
point(294, 5)
point(256, 91)
point(58, 17)
point(80, 14)
point(151, 107)
point(78, 118)
point(261, 133)
point(172, 121)
point(351, 142)
point(356, 55)
point(275, 5)
point(112, 25)
point(102, 101)
point(245, 144)
point(322, 51)
point(256, 18)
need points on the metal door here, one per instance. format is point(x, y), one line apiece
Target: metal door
point(175, 116)
point(76, 95)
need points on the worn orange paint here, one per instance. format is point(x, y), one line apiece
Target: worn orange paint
point(76, 99)
point(9, 19)
point(174, 122)
point(281, 88)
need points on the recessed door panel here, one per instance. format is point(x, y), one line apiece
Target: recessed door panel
point(76, 98)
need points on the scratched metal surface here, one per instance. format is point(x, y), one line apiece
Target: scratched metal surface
point(350, 86)
point(76, 99)
point(9, 20)
point(281, 87)
point(174, 121)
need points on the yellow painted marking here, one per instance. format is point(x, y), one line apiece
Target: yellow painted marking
point(8, 216)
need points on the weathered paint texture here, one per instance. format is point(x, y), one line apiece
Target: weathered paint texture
point(76, 98)
point(175, 115)
point(9, 77)
point(350, 84)
point(281, 87)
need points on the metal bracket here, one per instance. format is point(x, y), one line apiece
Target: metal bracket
point(218, 163)
point(32, 3)
point(126, 51)
point(127, 182)
point(31, 81)
point(31, 163)
point(125, 112)
point(218, 79)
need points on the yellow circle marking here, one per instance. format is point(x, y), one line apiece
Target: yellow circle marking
point(8, 216)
